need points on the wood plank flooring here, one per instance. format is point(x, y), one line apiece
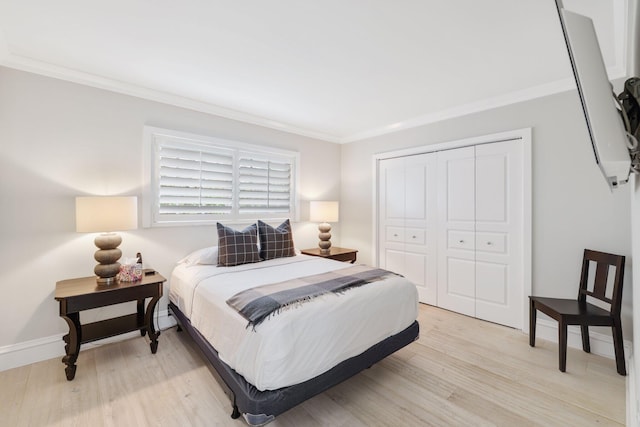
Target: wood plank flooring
point(461, 372)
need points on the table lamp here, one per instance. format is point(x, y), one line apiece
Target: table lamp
point(106, 215)
point(324, 212)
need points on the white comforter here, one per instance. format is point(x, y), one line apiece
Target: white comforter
point(298, 343)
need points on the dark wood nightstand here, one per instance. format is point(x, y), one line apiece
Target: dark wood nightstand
point(76, 295)
point(339, 254)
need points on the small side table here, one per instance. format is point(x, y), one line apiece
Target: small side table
point(339, 254)
point(76, 295)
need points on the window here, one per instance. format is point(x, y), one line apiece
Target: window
point(194, 179)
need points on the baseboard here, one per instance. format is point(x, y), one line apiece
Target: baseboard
point(27, 352)
point(633, 417)
point(601, 344)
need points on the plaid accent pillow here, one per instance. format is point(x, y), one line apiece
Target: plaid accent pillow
point(237, 247)
point(275, 242)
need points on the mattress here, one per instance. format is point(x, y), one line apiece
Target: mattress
point(298, 343)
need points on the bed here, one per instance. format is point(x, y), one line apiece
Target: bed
point(298, 351)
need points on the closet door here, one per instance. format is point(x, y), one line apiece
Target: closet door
point(456, 230)
point(480, 221)
point(499, 216)
point(407, 221)
point(391, 215)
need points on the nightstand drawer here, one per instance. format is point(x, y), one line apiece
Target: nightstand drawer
point(338, 254)
point(345, 257)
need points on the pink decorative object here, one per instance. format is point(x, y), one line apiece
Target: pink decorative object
point(130, 272)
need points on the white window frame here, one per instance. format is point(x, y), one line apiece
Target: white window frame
point(153, 137)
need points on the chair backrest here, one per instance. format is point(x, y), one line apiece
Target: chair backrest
point(603, 262)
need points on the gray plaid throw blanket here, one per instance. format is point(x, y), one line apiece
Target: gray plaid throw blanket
point(257, 304)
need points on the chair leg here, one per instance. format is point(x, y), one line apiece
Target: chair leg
point(562, 345)
point(618, 347)
point(586, 345)
point(532, 323)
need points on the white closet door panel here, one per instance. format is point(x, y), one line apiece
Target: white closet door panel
point(394, 246)
point(415, 195)
point(420, 269)
point(494, 293)
point(392, 190)
point(415, 236)
point(415, 270)
point(498, 236)
point(394, 234)
point(491, 187)
point(431, 203)
point(461, 239)
point(430, 294)
point(408, 221)
point(390, 208)
point(429, 290)
point(456, 226)
point(457, 173)
point(461, 277)
point(393, 260)
point(421, 224)
point(459, 293)
point(491, 283)
point(390, 221)
point(491, 242)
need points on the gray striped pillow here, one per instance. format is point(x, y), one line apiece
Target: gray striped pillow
point(237, 247)
point(275, 242)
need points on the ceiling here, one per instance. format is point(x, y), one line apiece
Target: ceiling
point(336, 70)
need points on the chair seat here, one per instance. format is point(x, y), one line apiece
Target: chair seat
point(570, 308)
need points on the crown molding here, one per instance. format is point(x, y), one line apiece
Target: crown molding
point(470, 108)
point(35, 66)
point(476, 107)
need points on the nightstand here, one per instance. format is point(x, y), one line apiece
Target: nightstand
point(339, 254)
point(76, 295)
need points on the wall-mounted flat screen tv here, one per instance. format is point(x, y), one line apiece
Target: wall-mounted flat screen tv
point(606, 128)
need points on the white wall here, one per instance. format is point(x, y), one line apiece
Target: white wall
point(59, 140)
point(573, 208)
point(633, 382)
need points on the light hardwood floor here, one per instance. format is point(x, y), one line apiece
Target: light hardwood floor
point(461, 372)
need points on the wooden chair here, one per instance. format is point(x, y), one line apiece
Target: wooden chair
point(580, 312)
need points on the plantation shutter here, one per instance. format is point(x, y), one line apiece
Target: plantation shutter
point(193, 181)
point(264, 184)
point(201, 180)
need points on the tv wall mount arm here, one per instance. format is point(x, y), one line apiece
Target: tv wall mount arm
point(629, 108)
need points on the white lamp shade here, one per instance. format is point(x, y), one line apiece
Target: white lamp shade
point(106, 214)
point(323, 211)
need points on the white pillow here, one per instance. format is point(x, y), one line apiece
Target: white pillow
point(201, 256)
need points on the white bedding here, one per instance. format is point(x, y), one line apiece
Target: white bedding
point(298, 343)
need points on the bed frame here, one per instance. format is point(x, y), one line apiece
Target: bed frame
point(260, 407)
